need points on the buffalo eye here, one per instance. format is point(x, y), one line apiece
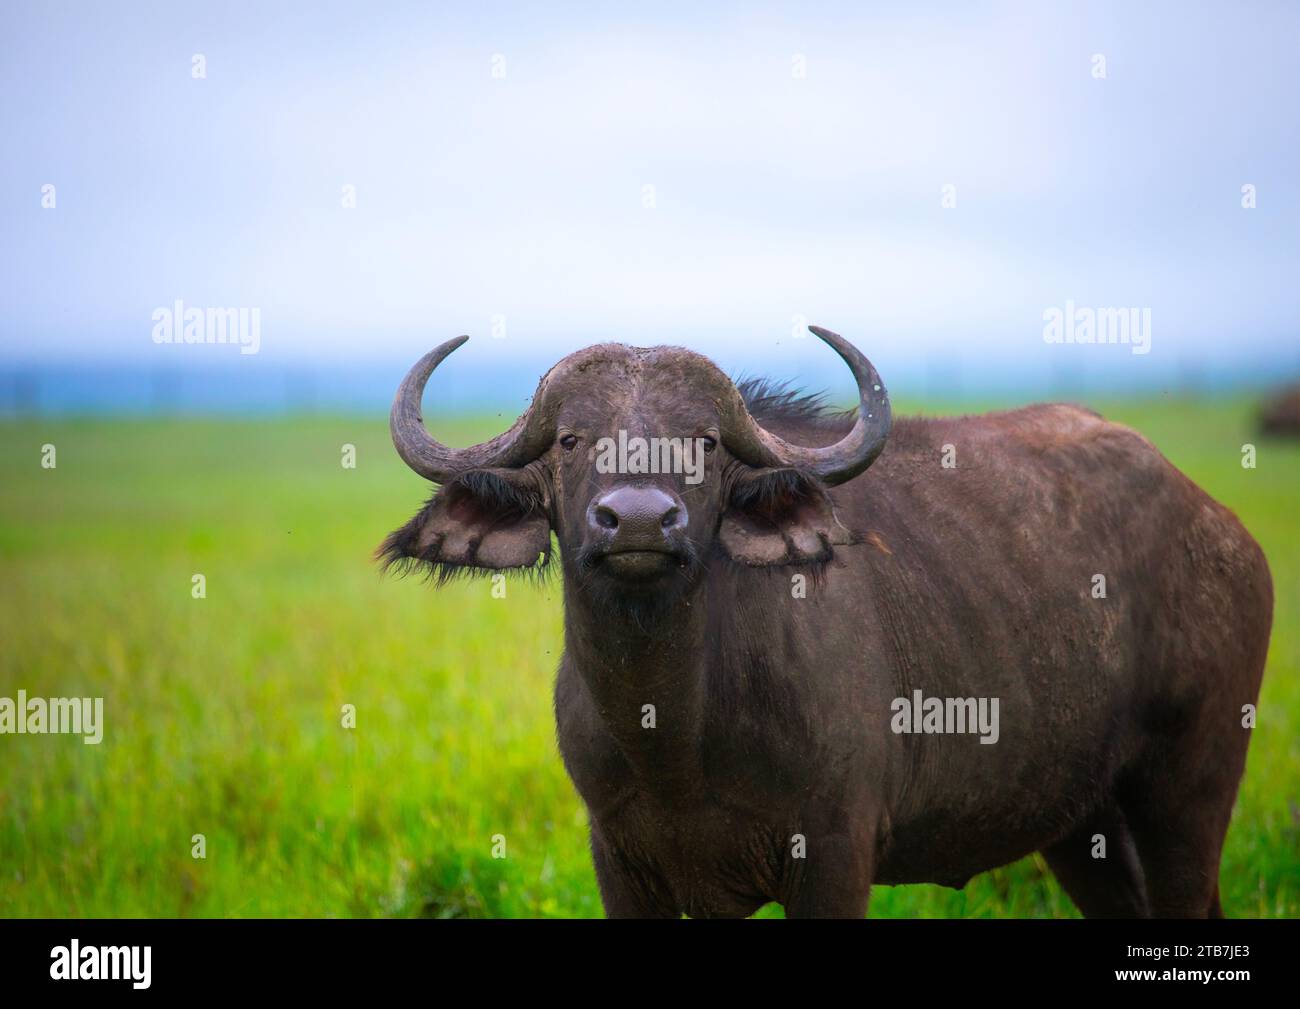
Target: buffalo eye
point(568, 441)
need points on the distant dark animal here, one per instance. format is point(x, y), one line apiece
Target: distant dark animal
point(798, 675)
point(1281, 414)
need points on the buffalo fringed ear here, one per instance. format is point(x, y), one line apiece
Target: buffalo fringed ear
point(780, 516)
point(482, 520)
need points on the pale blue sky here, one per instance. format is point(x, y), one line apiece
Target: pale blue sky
point(775, 196)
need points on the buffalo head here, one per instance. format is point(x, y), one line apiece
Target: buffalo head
point(645, 463)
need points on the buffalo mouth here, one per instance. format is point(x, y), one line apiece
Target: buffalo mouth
point(639, 564)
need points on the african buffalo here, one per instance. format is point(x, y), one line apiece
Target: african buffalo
point(849, 654)
point(1280, 415)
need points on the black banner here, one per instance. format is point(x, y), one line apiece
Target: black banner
point(88, 959)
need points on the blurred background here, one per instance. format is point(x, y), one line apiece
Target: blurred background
point(553, 179)
point(360, 182)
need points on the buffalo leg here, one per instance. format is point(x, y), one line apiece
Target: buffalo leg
point(1179, 812)
point(1180, 850)
point(1109, 887)
point(832, 879)
point(1181, 864)
point(625, 892)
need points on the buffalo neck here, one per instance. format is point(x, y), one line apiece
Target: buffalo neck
point(646, 679)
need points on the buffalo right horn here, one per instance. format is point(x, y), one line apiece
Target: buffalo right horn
point(524, 442)
point(833, 464)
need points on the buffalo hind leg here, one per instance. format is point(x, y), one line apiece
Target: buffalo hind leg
point(1178, 811)
point(1181, 865)
point(1101, 886)
point(1180, 850)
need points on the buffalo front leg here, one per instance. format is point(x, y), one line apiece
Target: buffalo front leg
point(627, 891)
point(828, 873)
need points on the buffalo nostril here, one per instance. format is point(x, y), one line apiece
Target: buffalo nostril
point(606, 518)
point(670, 517)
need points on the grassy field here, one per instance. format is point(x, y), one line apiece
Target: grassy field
point(223, 713)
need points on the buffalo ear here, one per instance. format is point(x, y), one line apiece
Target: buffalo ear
point(480, 520)
point(780, 516)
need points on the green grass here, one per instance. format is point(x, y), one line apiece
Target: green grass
point(223, 714)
